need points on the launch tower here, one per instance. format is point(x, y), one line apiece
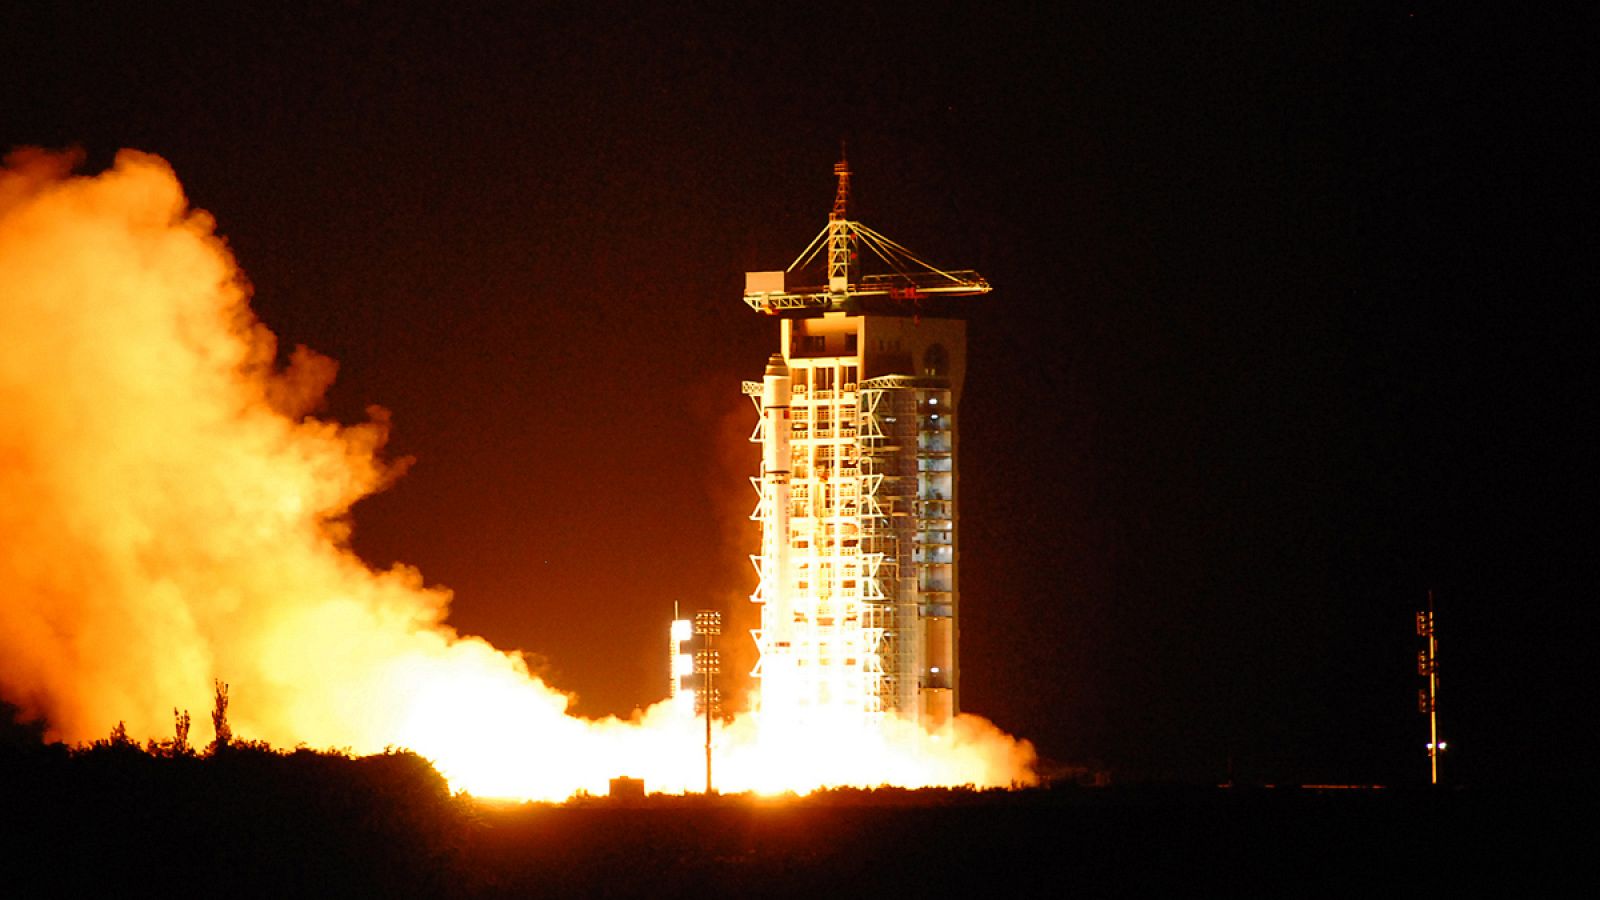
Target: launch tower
point(857, 574)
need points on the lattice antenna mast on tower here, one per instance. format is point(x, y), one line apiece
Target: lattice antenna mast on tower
point(909, 277)
point(841, 239)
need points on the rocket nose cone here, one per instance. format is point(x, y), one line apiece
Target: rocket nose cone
point(776, 366)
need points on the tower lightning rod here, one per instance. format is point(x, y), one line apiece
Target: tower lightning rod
point(910, 278)
point(841, 237)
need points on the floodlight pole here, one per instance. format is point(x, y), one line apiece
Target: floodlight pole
point(708, 742)
point(1428, 701)
point(708, 624)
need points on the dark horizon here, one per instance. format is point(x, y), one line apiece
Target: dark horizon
point(1278, 341)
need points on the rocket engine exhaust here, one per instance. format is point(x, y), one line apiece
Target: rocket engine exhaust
point(170, 511)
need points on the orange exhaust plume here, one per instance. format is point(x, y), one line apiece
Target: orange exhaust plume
point(170, 513)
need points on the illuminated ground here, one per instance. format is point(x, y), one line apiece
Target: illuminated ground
point(1081, 842)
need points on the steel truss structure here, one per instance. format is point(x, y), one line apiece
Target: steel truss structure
point(856, 496)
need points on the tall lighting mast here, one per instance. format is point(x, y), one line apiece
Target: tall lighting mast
point(708, 665)
point(1428, 697)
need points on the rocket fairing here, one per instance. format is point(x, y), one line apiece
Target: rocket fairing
point(775, 395)
point(775, 639)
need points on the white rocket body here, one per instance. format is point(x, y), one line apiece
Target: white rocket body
point(775, 398)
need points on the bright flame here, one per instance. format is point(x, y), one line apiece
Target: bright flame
point(171, 513)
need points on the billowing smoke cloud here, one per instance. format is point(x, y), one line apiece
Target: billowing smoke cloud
point(170, 512)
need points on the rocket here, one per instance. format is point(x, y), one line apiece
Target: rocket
point(777, 591)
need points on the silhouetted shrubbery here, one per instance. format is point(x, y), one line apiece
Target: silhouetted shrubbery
point(242, 819)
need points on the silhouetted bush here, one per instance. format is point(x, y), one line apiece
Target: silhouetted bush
point(244, 820)
point(254, 821)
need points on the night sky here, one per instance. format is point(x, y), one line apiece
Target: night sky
point(1280, 337)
